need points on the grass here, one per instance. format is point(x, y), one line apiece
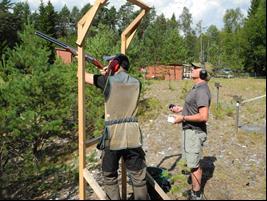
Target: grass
point(149, 109)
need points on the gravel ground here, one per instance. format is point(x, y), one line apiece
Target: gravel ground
point(234, 163)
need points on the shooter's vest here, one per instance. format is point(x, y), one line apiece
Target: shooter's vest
point(122, 130)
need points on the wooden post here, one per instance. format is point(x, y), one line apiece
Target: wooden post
point(81, 116)
point(83, 26)
point(126, 38)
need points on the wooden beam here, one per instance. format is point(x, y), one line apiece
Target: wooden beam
point(128, 34)
point(126, 38)
point(81, 121)
point(94, 185)
point(129, 39)
point(87, 19)
point(155, 185)
point(140, 4)
point(134, 24)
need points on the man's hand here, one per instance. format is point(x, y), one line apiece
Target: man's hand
point(104, 70)
point(178, 118)
point(176, 109)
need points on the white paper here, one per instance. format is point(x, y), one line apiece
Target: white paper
point(171, 119)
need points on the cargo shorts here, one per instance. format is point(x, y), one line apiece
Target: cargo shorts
point(192, 144)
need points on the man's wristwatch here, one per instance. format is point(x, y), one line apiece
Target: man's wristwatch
point(183, 119)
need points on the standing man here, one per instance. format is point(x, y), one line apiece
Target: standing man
point(194, 116)
point(122, 135)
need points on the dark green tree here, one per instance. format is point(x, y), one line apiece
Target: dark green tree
point(213, 50)
point(37, 104)
point(153, 41)
point(85, 9)
point(22, 11)
point(75, 16)
point(146, 21)
point(253, 8)
point(185, 24)
point(231, 41)
point(64, 22)
point(107, 17)
point(174, 48)
point(254, 39)
point(9, 25)
point(126, 15)
point(47, 21)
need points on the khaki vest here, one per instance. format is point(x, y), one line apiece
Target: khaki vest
point(121, 127)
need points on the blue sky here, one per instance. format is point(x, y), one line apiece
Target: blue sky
point(209, 11)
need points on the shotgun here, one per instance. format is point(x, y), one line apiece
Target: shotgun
point(88, 57)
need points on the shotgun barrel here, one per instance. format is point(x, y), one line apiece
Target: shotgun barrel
point(88, 57)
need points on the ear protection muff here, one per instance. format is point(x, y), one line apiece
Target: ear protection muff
point(203, 74)
point(114, 66)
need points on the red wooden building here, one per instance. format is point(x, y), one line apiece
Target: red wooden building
point(164, 72)
point(65, 55)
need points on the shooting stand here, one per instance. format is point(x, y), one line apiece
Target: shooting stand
point(127, 35)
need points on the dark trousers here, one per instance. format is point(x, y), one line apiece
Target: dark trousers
point(136, 167)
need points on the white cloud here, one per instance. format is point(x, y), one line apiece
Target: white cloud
point(209, 11)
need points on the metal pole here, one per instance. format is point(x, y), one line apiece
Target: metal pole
point(217, 85)
point(217, 98)
point(237, 115)
point(238, 100)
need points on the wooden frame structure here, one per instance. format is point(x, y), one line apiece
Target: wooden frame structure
point(83, 26)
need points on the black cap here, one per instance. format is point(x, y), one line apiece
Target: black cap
point(123, 60)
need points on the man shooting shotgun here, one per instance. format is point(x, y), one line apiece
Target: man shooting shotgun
point(88, 57)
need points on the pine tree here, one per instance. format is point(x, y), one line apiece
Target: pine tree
point(47, 22)
point(254, 39)
point(9, 25)
point(37, 106)
point(64, 22)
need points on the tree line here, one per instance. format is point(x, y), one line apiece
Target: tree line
point(239, 45)
point(38, 93)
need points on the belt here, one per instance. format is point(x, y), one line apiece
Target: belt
point(120, 121)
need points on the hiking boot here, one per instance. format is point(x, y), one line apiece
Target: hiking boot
point(193, 196)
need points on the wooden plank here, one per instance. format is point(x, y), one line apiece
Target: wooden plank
point(157, 188)
point(94, 185)
point(85, 17)
point(86, 21)
point(81, 121)
point(123, 44)
point(140, 4)
point(128, 34)
point(134, 24)
point(128, 41)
